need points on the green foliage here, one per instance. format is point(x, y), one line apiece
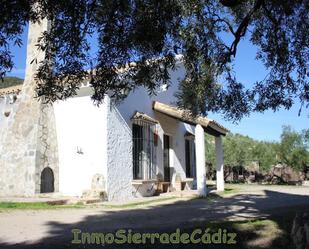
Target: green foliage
point(10, 81)
point(293, 149)
point(134, 43)
point(239, 150)
point(265, 154)
point(210, 149)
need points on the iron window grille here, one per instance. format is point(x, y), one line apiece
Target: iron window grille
point(144, 150)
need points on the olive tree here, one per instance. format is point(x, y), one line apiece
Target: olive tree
point(136, 43)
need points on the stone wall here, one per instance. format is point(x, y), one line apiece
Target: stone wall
point(46, 152)
point(7, 112)
point(47, 147)
point(18, 149)
point(22, 154)
point(8, 106)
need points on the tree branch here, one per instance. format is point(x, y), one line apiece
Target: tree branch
point(242, 28)
point(219, 19)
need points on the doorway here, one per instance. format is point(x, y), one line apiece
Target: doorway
point(47, 180)
point(190, 158)
point(166, 158)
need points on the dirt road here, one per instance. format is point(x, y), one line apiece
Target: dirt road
point(52, 228)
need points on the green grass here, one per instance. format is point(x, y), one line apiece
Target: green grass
point(34, 205)
point(46, 205)
point(272, 232)
point(255, 233)
point(227, 191)
point(231, 190)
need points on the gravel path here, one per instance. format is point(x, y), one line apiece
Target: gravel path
point(52, 228)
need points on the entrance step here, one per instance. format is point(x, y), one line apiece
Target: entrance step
point(163, 187)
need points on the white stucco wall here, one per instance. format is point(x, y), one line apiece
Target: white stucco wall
point(176, 130)
point(80, 126)
point(139, 100)
point(119, 156)
point(104, 135)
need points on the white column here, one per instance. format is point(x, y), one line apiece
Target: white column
point(220, 163)
point(200, 160)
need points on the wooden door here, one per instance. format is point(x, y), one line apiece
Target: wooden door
point(166, 158)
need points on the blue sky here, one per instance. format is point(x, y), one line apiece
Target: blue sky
point(268, 125)
point(262, 126)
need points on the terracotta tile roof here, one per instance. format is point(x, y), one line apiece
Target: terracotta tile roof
point(187, 117)
point(11, 89)
point(144, 117)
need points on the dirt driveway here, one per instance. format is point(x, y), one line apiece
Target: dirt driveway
point(52, 228)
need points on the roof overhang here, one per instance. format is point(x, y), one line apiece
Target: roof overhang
point(189, 134)
point(210, 126)
point(140, 116)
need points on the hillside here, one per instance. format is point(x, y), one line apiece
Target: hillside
point(240, 150)
point(10, 81)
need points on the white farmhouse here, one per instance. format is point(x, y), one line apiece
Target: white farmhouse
point(123, 150)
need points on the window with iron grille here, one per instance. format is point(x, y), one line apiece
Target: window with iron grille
point(143, 150)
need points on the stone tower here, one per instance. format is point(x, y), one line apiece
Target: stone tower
point(28, 141)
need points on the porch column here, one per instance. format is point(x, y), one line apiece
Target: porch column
point(220, 163)
point(200, 160)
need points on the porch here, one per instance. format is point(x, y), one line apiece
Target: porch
point(169, 150)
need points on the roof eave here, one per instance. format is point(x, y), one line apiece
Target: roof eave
point(209, 125)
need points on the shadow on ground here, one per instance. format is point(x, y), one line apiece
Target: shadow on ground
point(233, 214)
